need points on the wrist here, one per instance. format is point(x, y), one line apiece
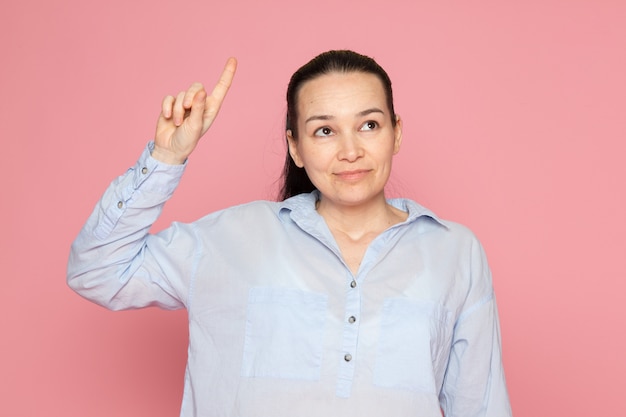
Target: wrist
point(167, 157)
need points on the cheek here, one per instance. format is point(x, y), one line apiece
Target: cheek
point(386, 152)
point(314, 157)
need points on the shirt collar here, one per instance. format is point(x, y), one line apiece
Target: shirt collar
point(302, 208)
point(415, 210)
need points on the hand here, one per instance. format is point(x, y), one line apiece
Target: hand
point(186, 117)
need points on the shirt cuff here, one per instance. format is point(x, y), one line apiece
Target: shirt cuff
point(155, 176)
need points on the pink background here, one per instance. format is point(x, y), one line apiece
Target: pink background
point(515, 125)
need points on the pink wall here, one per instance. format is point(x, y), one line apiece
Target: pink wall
point(515, 124)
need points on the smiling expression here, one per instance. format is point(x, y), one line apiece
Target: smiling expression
point(346, 137)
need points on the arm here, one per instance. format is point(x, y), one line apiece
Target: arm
point(474, 385)
point(114, 261)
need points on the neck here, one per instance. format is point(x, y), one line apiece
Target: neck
point(360, 220)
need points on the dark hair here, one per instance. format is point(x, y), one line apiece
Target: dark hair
point(294, 179)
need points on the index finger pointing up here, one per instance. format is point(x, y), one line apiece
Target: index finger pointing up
point(226, 79)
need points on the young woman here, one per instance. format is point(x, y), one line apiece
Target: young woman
point(332, 302)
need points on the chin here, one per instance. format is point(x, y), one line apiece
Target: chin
point(354, 198)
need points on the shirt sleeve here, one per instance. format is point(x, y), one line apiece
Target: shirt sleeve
point(474, 385)
point(115, 262)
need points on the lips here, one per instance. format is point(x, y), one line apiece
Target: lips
point(352, 175)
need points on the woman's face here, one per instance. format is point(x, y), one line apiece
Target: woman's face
point(346, 137)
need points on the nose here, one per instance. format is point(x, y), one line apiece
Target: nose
point(350, 148)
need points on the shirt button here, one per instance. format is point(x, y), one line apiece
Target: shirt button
point(351, 319)
point(120, 204)
point(347, 357)
point(353, 284)
point(144, 170)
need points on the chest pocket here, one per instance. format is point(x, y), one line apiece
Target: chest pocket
point(284, 333)
point(414, 345)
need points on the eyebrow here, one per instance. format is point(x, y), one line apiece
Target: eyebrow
point(329, 117)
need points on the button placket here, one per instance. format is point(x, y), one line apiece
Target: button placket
point(349, 339)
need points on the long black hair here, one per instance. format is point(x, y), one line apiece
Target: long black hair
point(294, 179)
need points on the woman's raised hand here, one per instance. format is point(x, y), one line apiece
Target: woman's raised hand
point(186, 117)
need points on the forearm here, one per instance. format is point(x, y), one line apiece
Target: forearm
point(109, 249)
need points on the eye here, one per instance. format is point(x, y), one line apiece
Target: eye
point(323, 131)
point(369, 125)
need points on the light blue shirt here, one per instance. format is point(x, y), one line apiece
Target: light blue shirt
point(279, 326)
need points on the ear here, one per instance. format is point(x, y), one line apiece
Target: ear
point(397, 135)
point(293, 149)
